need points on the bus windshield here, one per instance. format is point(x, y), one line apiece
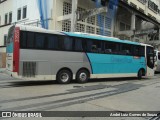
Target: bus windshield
point(158, 55)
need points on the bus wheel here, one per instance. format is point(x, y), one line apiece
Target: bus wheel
point(64, 77)
point(82, 76)
point(140, 72)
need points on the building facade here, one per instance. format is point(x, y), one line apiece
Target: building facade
point(136, 20)
point(139, 21)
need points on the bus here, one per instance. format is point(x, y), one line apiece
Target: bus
point(157, 61)
point(38, 54)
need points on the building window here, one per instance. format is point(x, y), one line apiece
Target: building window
point(108, 23)
point(142, 1)
point(6, 19)
point(152, 6)
point(124, 26)
point(10, 17)
point(67, 8)
point(128, 27)
point(80, 27)
point(5, 40)
point(66, 26)
point(90, 29)
point(24, 12)
point(19, 14)
point(91, 20)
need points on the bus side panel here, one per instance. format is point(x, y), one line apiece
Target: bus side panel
point(16, 50)
point(115, 64)
point(48, 63)
point(9, 64)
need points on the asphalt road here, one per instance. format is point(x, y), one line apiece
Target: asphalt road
point(125, 94)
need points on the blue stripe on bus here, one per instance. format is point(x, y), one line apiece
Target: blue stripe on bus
point(112, 64)
point(89, 63)
point(10, 48)
point(99, 38)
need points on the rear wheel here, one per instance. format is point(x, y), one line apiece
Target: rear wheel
point(64, 77)
point(140, 74)
point(82, 76)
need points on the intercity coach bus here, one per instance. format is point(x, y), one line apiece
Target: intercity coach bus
point(38, 54)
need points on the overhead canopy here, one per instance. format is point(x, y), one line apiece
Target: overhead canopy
point(139, 14)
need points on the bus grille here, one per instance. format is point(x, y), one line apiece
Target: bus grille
point(29, 69)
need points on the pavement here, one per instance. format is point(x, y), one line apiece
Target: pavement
point(2, 70)
point(117, 95)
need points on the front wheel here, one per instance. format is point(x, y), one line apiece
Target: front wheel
point(140, 73)
point(82, 76)
point(64, 77)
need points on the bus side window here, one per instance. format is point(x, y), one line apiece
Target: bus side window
point(141, 51)
point(89, 44)
point(97, 46)
point(23, 40)
point(78, 45)
point(39, 41)
point(126, 49)
point(52, 42)
point(68, 43)
point(111, 48)
point(30, 40)
point(94, 48)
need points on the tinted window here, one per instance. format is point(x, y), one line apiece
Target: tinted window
point(39, 40)
point(126, 49)
point(111, 47)
point(30, 40)
point(23, 41)
point(159, 56)
point(68, 43)
point(139, 50)
point(94, 46)
point(89, 45)
point(78, 45)
point(52, 42)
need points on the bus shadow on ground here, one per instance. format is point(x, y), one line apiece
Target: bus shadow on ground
point(52, 82)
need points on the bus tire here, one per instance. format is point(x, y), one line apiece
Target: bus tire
point(140, 74)
point(82, 76)
point(64, 77)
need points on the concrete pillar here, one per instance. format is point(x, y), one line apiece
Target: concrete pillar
point(133, 22)
point(73, 16)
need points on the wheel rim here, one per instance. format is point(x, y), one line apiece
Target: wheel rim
point(64, 77)
point(83, 76)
